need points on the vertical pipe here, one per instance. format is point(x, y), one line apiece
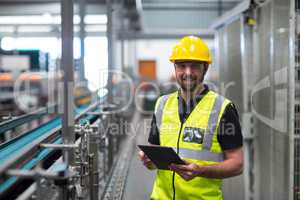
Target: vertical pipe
point(245, 66)
point(94, 164)
point(122, 46)
point(110, 150)
point(273, 99)
point(68, 86)
point(217, 59)
point(91, 177)
point(122, 42)
point(225, 63)
point(246, 50)
point(109, 34)
point(245, 108)
point(220, 7)
point(256, 66)
point(82, 34)
point(291, 98)
point(122, 55)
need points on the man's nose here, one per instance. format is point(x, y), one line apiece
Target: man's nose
point(188, 70)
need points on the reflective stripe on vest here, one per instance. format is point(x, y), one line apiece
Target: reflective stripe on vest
point(159, 110)
point(200, 155)
point(213, 122)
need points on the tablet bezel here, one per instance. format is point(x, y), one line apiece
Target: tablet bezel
point(161, 156)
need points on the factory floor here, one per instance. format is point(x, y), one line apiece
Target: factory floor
point(140, 180)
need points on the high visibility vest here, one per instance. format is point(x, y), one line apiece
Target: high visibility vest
point(198, 144)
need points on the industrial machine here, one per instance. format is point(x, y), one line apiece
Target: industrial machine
point(32, 166)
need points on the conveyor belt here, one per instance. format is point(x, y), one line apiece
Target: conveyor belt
point(16, 146)
point(15, 122)
point(29, 165)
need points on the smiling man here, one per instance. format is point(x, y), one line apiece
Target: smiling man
point(201, 125)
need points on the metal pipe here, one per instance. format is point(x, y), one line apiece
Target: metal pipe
point(272, 155)
point(94, 173)
point(109, 34)
point(122, 41)
point(91, 177)
point(220, 7)
point(293, 50)
point(246, 38)
point(67, 66)
point(82, 34)
point(60, 146)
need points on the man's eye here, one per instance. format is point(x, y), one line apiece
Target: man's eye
point(180, 66)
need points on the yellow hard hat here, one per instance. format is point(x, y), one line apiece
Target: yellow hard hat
point(191, 48)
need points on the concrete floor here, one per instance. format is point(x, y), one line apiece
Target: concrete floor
point(140, 180)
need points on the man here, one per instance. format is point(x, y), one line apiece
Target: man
point(201, 125)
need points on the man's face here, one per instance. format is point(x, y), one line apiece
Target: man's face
point(190, 74)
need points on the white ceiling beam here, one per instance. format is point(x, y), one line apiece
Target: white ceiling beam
point(166, 34)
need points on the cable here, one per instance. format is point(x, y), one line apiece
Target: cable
point(173, 185)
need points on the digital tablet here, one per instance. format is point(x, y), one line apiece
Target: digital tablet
point(161, 156)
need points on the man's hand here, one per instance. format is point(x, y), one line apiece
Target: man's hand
point(146, 161)
point(231, 166)
point(188, 171)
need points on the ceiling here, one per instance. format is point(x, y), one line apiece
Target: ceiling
point(159, 16)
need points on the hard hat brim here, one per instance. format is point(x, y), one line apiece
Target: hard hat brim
point(173, 60)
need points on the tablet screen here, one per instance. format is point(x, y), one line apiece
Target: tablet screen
point(161, 156)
